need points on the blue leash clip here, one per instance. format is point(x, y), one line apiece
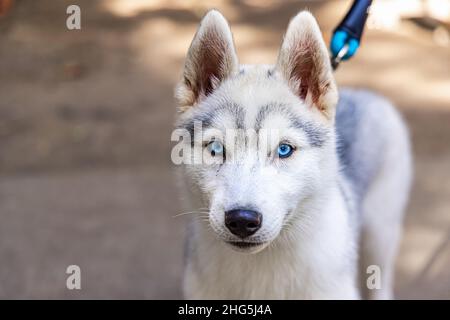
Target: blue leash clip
point(347, 35)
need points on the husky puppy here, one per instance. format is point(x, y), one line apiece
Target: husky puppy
point(309, 216)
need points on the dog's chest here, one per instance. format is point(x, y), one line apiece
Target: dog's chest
point(280, 275)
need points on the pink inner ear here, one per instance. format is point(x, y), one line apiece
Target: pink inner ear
point(212, 55)
point(305, 69)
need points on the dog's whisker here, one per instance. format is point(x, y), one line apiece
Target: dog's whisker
point(190, 212)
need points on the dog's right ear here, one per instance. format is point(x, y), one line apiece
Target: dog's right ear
point(210, 60)
point(305, 64)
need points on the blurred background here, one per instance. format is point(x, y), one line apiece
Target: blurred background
point(86, 117)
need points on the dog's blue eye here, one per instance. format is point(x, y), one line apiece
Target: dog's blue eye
point(285, 150)
point(215, 148)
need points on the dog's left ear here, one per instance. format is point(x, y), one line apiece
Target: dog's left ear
point(304, 62)
point(210, 60)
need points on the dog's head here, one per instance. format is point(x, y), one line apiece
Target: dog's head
point(266, 133)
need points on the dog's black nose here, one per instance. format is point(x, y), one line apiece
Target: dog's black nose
point(243, 223)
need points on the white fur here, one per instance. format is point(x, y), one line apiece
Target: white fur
point(385, 203)
point(310, 244)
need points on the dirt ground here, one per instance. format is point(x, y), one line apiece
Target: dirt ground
point(85, 124)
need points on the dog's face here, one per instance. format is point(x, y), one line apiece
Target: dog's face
point(264, 134)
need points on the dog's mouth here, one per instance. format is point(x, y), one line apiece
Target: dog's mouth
point(244, 246)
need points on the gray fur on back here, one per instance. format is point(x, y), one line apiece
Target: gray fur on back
point(362, 137)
